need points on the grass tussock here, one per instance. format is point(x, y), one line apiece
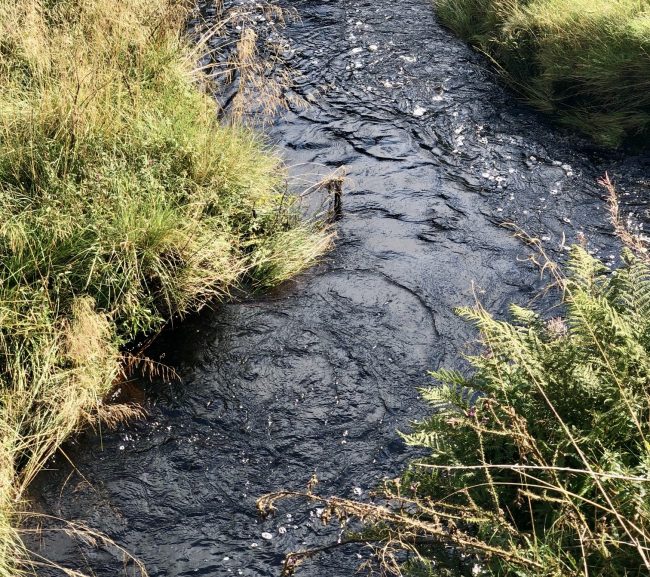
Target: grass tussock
point(585, 61)
point(124, 204)
point(537, 460)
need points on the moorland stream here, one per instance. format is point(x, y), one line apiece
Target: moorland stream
point(318, 376)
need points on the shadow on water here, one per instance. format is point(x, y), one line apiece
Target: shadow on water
point(317, 377)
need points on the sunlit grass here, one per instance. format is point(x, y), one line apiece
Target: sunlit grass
point(585, 61)
point(124, 204)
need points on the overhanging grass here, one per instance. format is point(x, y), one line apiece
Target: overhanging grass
point(585, 61)
point(124, 203)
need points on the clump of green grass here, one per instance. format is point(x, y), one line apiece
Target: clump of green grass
point(585, 61)
point(538, 459)
point(124, 204)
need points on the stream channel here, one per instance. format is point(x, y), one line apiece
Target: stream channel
point(318, 376)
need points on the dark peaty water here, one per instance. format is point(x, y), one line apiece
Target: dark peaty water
point(317, 377)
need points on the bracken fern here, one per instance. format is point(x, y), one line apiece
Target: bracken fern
point(538, 460)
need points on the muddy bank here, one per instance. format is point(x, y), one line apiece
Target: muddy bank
point(317, 377)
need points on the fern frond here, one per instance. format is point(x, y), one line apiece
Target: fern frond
point(449, 377)
point(448, 397)
point(584, 269)
point(523, 316)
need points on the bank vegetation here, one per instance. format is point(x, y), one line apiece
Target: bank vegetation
point(125, 204)
point(536, 459)
point(586, 62)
